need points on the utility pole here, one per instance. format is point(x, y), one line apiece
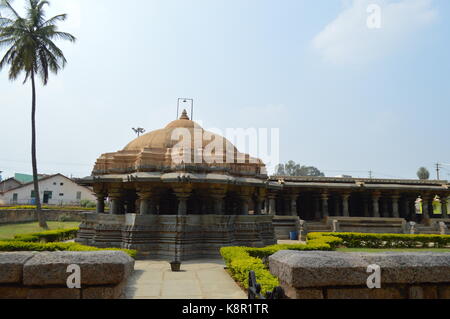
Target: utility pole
point(370, 174)
point(438, 168)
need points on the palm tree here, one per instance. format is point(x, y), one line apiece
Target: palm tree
point(31, 50)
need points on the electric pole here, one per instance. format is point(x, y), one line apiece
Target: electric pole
point(370, 174)
point(438, 168)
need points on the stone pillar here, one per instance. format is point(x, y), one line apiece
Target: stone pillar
point(426, 207)
point(385, 209)
point(182, 203)
point(317, 212)
point(294, 211)
point(345, 207)
point(244, 205)
point(325, 197)
point(365, 206)
point(116, 202)
point(444, 201)
point(337, 206)
point(376, 204)
point(145, 202)
point(100, 203)
point(395, 207)
point(271, 197)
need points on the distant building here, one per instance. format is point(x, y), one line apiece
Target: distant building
point(54, 190)
point(8, 184)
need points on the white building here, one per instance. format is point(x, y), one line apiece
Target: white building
point(54, 190)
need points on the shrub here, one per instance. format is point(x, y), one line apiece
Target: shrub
point(33, 246)
point(363, 240)
point(87, 203)
point(48, 236)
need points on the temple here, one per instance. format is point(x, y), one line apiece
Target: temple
point(170, 195)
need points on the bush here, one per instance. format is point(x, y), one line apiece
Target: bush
point(48, 236)
point(10, 246)
point(362, 240)
point(241, 260)
point(87, 203)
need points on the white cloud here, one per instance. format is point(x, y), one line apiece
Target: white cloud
point(348, 40)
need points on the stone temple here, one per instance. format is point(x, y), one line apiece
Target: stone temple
point(167, 200)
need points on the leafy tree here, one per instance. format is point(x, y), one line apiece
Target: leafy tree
point(423, 173)
point(31, 50)
point(293, 169)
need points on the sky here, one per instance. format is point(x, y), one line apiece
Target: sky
point(351, 87)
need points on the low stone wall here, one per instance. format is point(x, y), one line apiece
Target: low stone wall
point(192, 236)
point(24, 216)
point(32, 275)
point(336, 275)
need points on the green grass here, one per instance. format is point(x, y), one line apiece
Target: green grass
point(380, 250)
point(8, 231)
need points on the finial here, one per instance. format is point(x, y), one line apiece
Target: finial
point(184, 115)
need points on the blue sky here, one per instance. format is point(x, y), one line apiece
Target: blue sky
point(346, 98)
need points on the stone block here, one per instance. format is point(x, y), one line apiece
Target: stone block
point(444, 292)
point(334, 269)
point(53, 293)
point(365, 293)
point(97, 268)
point(11, 266)
point(11, 292)
point(423, 292)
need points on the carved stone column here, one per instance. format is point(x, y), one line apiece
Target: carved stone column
point(145, 202)
point(376, 204)
point(365, 206)
point(100, 203)
point(325, 196)
point(316, 202)
point(337, 205)
point(345, 206)
point(444, 201)
point(218, 196)
point(272, 203)
point(385, 209)
point(294, 198)
point(426, 207)
point(115, 196)
point(395, 208)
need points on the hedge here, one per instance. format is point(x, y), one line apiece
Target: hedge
point(9, 246)
point(363, 240)
point(241, 260)
point(31, 207)
point(49, 236)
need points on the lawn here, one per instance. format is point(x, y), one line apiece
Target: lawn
point(405, 250)
point(8, 231)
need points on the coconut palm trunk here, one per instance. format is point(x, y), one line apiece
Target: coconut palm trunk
point(39, 213)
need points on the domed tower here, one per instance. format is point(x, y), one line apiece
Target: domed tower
point(178, 174)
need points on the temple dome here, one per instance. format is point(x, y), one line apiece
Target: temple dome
point(154, 152)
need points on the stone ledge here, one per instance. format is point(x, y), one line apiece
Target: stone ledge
point(11, 266)
point(335, 269)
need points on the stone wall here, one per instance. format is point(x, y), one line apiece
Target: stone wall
point(193, 236)
point(23, 216)
point(32, 275)
point(336, 275)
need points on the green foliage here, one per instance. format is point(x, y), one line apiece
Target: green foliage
point(88, 204)
point(423, 173)
point(362, 240)
point(32, 246)
point(293, 169)
point(32, 207)
point(241, 260)
point(48, 236)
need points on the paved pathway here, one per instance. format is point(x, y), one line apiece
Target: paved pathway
point(198, 279)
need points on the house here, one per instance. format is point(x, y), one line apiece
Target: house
point(54, 190)
point(8, 184)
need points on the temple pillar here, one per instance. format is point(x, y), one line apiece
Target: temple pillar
point(116, 202)
point(337, 206)
point(245, 199)
point(293, 205)
point(145, 202)
point(100, 203)
point(365, 206)
point(325, 196)
point(395, 207)
point(345, 206)
point(182, 193)
point(444, 201)
point(218, 196)
point(272, 203)
point(385, 208)
point(317, 212)
point(376, 204)
point(426, 207)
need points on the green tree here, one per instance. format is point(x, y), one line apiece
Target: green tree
point(423, 174)
point(293, 169)
point(30, 50)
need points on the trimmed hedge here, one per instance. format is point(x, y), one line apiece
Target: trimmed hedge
point(9, 246)
point(49, 236)
point(363, 240)
point(63, 208)
point(241, 260)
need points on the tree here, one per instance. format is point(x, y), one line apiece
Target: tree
point(31, 50)
point(423, 173)
point(293, 169)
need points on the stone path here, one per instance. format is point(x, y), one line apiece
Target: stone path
point(198, 279)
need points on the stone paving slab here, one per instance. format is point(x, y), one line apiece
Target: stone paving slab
point(198, 279)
